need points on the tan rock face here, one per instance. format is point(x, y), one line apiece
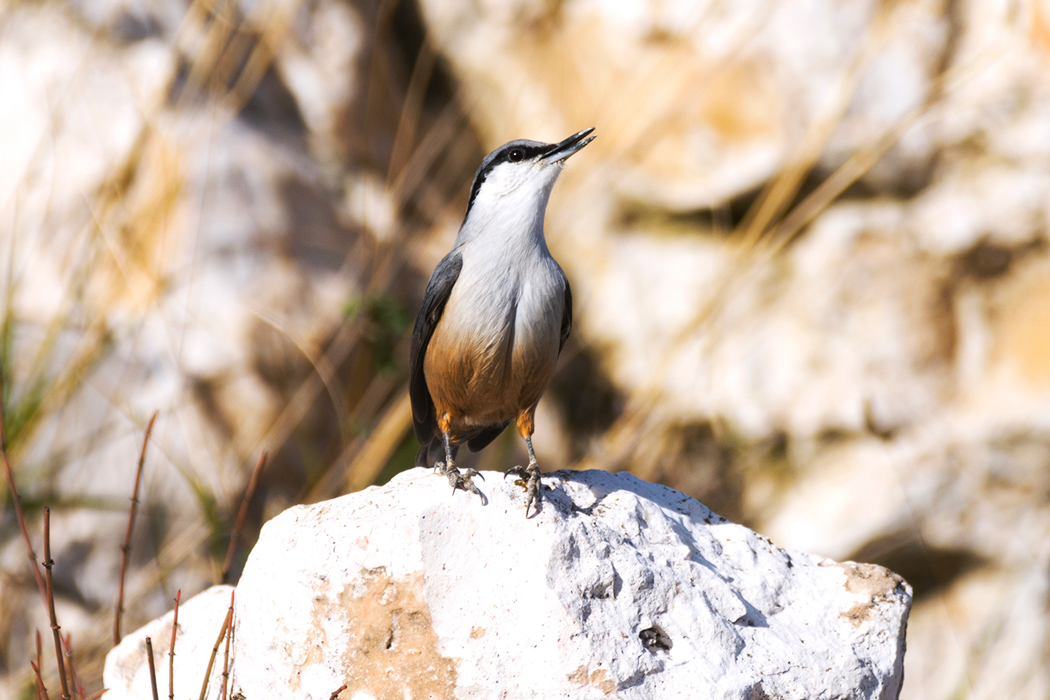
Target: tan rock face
point(393, 647)
point(1022, 329)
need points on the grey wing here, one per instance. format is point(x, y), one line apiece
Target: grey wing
point(424, 422)
point(566, 315)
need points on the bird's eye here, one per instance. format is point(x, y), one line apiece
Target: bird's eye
point(515, 155)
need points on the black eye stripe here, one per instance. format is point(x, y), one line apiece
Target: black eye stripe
point(527, 149)
point(519, 152)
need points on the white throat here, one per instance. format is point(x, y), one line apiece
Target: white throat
point(510, 207)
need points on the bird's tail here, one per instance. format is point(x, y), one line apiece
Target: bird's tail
point(434, 451)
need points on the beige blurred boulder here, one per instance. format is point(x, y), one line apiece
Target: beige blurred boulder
point(845, 331)
point(694, 102)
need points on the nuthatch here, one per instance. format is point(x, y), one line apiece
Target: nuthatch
point(495, 316)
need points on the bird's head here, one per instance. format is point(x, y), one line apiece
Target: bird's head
point(522, 173)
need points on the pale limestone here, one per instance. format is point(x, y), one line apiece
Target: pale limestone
point(617, 588)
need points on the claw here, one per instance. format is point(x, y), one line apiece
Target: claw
point(518, 471)
point(531, 475)
point(458, 479)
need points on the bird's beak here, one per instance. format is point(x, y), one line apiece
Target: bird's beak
point(560, 151)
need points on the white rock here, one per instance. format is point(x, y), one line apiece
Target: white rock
point(617, 587)
point(200, 621)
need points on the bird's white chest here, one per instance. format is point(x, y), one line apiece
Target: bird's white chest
point(499, 299)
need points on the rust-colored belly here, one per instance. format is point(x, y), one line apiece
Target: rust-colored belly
point(484, 378)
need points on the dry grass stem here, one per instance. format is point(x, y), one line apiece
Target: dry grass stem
point(405, 134)
point(48, 563)
point(338, 690)
point(171, 648)
point(126, 547)
point(215, 649)
point(226, 653)
point(297, 406)
point(319, 361)
point(381, 445)
point(152, 668)
point(17, 500)
point(241, 514)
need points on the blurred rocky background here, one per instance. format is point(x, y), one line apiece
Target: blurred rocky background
point(809, 253)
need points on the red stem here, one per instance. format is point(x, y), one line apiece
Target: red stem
point(48, 563)
point(41, 689)
point(171, 648)
point(17, 500)
point(241, 514)
point(67, 646)
point(126, 547)
point(152, 668)
point(226, 654)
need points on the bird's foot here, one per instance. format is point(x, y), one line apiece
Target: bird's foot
point(460, 479)
point(530, 479)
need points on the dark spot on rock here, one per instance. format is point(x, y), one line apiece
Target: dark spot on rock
point(655, 638)
point(756, 692)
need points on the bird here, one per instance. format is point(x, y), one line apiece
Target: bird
point(494, 317)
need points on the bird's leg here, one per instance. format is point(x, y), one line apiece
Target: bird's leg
point(458, 479)
point(531, 472)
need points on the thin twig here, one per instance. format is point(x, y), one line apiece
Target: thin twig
point(152, 668)
point(338, 690)
point(48, 563)
point(67, 647)
point(96, 696)
point(214, 651)
point(17, 500)
point(226, 654)
point(41, 692)
point(241, 514)
point(171, 648)
point(126, 547)
point(41, 689)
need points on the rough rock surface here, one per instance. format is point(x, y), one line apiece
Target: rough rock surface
point(617, 588)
